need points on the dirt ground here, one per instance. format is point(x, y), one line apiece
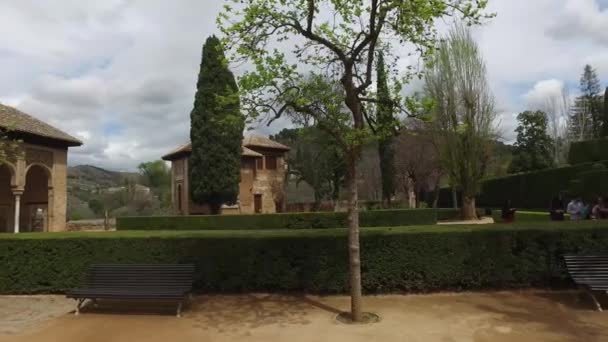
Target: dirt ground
point(480, 317)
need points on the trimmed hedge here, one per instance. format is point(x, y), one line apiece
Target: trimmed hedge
point(314, 261)
point(588, 151)
point(372, 218)
point(527, 216)
point(452, 214)
point(532, 189)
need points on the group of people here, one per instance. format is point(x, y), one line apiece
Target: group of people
point(578, 209)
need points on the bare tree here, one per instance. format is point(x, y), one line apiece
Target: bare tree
point(463, 113)
point(417, 163)
point(558, 110)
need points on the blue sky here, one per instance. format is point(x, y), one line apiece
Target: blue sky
point(121, 74)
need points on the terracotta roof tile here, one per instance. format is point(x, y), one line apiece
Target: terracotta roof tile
point(187, 149)
point(261, 141)
point(16, 120)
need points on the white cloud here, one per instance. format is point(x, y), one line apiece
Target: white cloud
point(537, 96)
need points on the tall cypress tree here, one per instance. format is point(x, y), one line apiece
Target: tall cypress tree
point(386, 125)
point(216, 132)
point(605, 115)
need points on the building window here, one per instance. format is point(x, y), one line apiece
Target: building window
point(271, 162)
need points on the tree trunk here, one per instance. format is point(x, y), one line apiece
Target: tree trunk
point(468, 208)
point(353, 239)
point(455, 198)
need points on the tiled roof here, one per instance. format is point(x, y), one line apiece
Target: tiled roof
point(187, 149)
point(18, 121)
point(260, 141)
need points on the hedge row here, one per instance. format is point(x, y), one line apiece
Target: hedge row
point(588, 151)
point(313, 261)
point(452, 214)
point(531, 189)
point(526, 216)
point(372, 218)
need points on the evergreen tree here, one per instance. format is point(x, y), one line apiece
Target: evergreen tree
point(533, 146)
point(585, 121)
point(216, 132)
point(604, 133)
point(386, 125)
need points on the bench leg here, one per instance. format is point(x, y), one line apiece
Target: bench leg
point(179, 309)
point(79, 303)
point(598, 307)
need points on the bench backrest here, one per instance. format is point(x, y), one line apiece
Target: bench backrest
point(140, 276)
point(586, 269)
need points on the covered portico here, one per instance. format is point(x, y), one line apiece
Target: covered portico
point(33, 182)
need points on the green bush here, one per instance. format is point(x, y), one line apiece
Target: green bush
point(588, 151)
point(589, 184)
point(526, 216)
point(426, 258)
point(372, 218)
point(531, 189)
point(452, 214)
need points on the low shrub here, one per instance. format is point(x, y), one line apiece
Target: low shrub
point(372, 218)
point(420, 258)
point(453, 214)
point(588, 151)
point(526, 216)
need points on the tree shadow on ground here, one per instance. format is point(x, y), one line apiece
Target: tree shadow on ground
point(128, 307)
point(225, 313)
point(562, 313)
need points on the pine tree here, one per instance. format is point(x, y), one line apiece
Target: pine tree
point(216, 132)
point(585, 121)
point(386, 124)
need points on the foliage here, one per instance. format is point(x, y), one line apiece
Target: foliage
point(316, 159)
point(526, 216)
point(530, 190)
point(409, 259)
point(588, 151)
point(585, 121)
point(591, 183)
point(557, 106)
point(387, 124)
point(533, 146)
point(157, 175)
point(453, 214)
point(9, 147)
point(374, 218)
point(216, 132)
point(463, 113)
point(604, 117)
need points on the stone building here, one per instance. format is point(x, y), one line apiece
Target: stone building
point(33, 195)
point(262, 177)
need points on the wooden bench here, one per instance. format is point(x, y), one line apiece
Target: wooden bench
point(136, 282)
point(589, 272)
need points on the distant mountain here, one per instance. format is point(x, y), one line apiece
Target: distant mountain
point(93, 178)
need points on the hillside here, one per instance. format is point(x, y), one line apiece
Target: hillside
point(92, 178)
point(86, 182)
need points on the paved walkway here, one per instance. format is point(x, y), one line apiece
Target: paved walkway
point(479, 317)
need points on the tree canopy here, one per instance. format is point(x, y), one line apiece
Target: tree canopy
point(533, 148)
point(216, 131)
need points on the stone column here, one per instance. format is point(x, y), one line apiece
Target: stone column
point(17, 209)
